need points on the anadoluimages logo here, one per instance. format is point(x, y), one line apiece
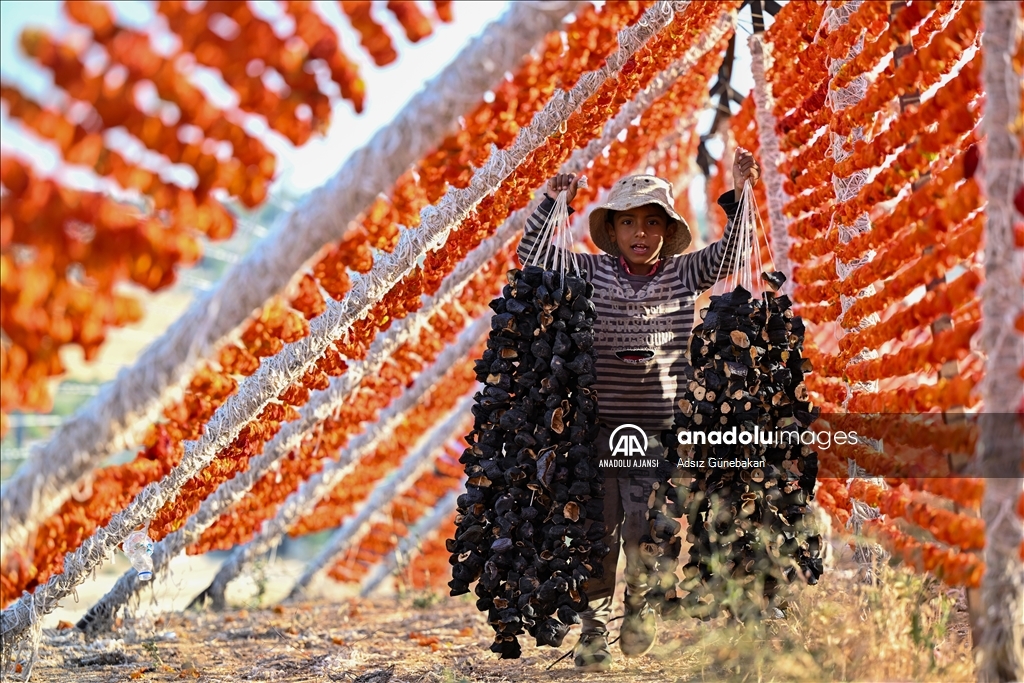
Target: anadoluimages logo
point(627, 444)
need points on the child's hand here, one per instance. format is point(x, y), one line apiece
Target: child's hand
point(744, 168)
point(563, 181)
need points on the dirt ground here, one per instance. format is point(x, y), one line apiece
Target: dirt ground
point(908, 628)
point(353, 641)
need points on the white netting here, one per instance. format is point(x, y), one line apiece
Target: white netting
point(847, 188)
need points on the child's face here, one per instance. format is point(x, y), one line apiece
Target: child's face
point(640, 234)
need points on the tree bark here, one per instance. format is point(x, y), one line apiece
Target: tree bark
point(1000, 647)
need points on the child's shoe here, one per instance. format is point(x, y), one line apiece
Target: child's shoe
point(592, 652)
point(639, 627)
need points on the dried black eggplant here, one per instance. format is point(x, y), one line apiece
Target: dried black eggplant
point(503, 321)
point(522, 291)
point(532, 275)
point(774, 279)
point(541, 349)
point(746, 369)
point(575, 288)
point(516, 307)
point(562, 345)
point(529, 526)
point(583, 364)
point(558, 370)
point(584, 341)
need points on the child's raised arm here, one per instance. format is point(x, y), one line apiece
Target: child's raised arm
point(704, 267)
point(534, 224)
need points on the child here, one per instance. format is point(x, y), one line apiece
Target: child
point(644, 292)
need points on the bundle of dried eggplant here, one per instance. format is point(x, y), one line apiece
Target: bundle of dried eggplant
point(746, 503)
point(529, 526)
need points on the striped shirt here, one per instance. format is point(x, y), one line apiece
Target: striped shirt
point(643, 323)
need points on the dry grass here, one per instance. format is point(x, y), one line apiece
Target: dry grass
point(907, 629)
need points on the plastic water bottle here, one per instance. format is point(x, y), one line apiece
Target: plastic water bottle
point(139, 549)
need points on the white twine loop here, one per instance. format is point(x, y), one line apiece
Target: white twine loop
point(746, 248)
point(555, 238)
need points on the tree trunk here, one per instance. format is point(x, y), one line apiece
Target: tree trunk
point(1000, 647)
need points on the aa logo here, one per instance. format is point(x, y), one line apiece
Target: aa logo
point(631, 442)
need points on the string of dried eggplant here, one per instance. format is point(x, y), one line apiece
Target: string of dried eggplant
point(529, 526)
point(746, 504)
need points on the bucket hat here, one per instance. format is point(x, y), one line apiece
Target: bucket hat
point(629, 193)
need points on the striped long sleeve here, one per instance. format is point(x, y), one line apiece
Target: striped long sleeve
point(701, 269)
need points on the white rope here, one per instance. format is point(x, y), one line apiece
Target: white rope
point(555, 239)
point(1002, 174)
point(409, 543)
point(352, 531)
point(322, 404)
point(746, 270)
point(304, 500)
point(771, 155)
point(116, 418)
point(737, 242)
point(999, 652)
point(276, 373)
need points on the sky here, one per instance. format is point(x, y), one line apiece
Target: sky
point(305, 168)
point(299, 170)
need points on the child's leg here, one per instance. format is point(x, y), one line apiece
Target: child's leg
point(595, 617)
point(639, 623)
point(591, 651)
point(635, 495)
point(600, 591)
